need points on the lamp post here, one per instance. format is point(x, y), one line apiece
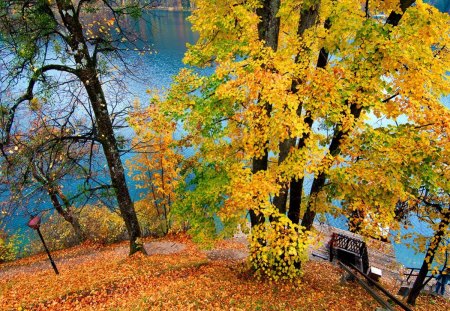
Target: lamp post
point(34, 223)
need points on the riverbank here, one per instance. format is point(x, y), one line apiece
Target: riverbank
point(177, 275)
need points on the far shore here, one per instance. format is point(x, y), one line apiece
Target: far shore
point(172, 8)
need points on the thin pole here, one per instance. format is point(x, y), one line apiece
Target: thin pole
point(48, 252)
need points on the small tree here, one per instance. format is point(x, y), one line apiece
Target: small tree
point(45, 165)
point(395, 172)
point(156, 167)
point(436, 206)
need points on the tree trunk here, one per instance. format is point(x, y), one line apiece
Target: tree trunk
point(310, 214)
point(67, 214)
point(259, 164)
point(297, 185)
point(268, 31)
point(319, 181)
point(116, 170)
point(295, 200)
point(54, 191)
point(431, 251)
point(269, 25)
point(280, 201)
point(88, 75)
point(395, 17)
point(308, 18)
point(356, 221)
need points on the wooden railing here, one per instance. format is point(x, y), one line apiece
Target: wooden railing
point(368, 285)
point(411, 273)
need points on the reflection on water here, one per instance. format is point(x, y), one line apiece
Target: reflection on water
point(166, 33)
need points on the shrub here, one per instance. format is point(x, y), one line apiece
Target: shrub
point(102, 225)
point(99, 224)
point(9, 246)
point(152, 223)
point(57, 233)
point(278, 249)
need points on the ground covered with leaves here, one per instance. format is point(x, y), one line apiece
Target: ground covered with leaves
point(177, 275)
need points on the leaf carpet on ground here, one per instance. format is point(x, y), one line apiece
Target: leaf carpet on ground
point(187, 280)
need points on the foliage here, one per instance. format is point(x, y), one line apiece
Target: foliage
point(278, 249)
point(304, 112)
point(200, 202)
point(58, 234)
point(100, 279)
point(99, 224)
point(102, 225)
point(48, 45)
point(42, 163)
point(399, 166)
point(395, 164)
point(8, 246)
point(155, 168)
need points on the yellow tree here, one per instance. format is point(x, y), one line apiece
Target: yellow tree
point(275, 115)
point(156, 167)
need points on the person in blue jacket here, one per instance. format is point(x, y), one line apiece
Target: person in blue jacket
point(442, 280)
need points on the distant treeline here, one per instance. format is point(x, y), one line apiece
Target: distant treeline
point(442, 5)
point(179, 4)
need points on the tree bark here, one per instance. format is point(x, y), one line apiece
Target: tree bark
point(67, 214)
point(308, 18)
point(280, 201)
point(394, 18)
point(112, 155)
point(319, 180)
point(269, 25)
point(268, 31)
point(297, 185)
point(88, 75)
point(54, 191)
point(431, 251)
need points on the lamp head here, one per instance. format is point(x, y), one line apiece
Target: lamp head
point(34, 222)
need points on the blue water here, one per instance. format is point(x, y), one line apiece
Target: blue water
point(167, 33)
point(442, 5)
point(404, 251)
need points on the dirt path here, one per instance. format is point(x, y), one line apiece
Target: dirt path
point(84, 255)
